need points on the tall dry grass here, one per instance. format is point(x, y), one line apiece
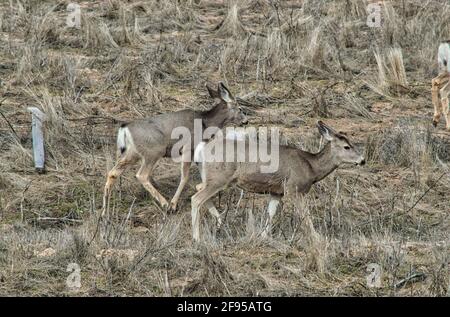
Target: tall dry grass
point(289, 64)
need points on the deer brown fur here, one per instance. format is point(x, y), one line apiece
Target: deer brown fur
point(148, 140)
point(440, 86)
point(297, 171)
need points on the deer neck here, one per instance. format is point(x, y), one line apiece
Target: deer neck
point(216, 117)
point(323, 163)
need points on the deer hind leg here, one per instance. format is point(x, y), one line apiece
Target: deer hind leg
point(438, 85)
point(200, 198)
point(121, 165)
point(214, 212)
point(183, 180)
point(445, 91)
point(143, 176)
point(435, 87)
point(199, 158)
point(271, 210)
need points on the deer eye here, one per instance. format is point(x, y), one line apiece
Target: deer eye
point(347, 147)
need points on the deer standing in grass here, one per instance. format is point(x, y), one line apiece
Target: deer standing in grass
point(440, 86)
point(148, 140)
point(297, 172)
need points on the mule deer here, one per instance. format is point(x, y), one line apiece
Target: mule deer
point(297, 172)
point(440, 86)
point(148, 140)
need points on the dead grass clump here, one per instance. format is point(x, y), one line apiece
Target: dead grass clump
point(3, 256)
point(215, 277)
point(322, 55)
point(232, 26)
point(96, 34)
point(4, 182)
point(276, 52)
point(427, 25)
point(137, 78)
point(80, 248)
point(128, 31)
point(168, 232)
point(439, 274)
point(18, 155)
point(29, 64)
point(3, 22)
point(392, 28)
point(407, 144)
point(252, 57)
point(56, 124)
point(355, 9)
point(65, 142)
point(316, 8)
point(315, 49)
point(110, 9)
point(391, 73)
point(172, 16)
point(314, 243)
point(356, 106)
point(64, 73)
point(396, 71)
point(43, 29)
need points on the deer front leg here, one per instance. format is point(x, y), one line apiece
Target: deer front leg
point(435, 88)
point(214, 212)
point(199, 199)
point(185, 164)
point(271, 210)
point(143, 177)
point(183, 180)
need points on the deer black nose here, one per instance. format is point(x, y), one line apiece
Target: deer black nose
point(245, 121)
point(363, 162)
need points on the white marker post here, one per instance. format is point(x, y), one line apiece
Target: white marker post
point(374, 15)
point(73, 19)
point(37, 119)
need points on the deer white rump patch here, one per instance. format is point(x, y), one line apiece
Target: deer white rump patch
point(124, 139)
point(444, 57)
point(231, 134)
point(199, 153)
point(199, 157)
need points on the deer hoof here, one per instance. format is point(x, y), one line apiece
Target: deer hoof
point(101, 212)
point(266, 234)
point(164, 205)
point(173, 206)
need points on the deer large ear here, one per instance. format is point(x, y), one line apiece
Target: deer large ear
point(225, 94)
point(212, 92)
point(327, 132)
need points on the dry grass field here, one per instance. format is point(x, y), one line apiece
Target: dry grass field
point(291, 63)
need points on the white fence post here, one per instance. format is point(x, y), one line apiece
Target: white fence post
point(37, 118)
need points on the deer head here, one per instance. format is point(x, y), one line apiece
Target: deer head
point(234, 113)
point(341, 148)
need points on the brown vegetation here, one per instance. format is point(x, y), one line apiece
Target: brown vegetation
point(290, 63)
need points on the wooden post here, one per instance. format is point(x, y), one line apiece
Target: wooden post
point(37, 119)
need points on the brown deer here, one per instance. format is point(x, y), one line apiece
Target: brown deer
point(297, 172)
point(440, 86)
point(148, 140)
